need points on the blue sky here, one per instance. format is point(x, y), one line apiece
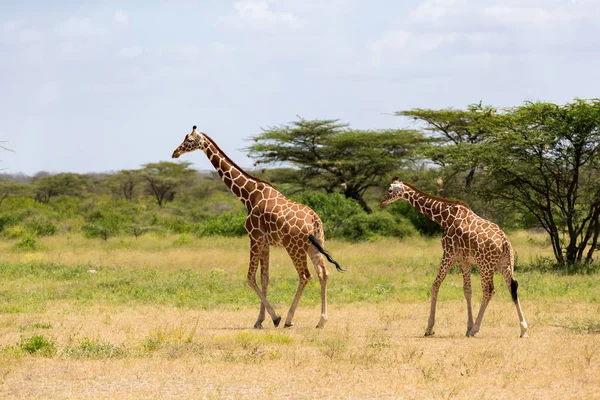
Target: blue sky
point(94, 86)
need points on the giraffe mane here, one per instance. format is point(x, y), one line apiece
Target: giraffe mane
point(256, 178)
point(443, 199)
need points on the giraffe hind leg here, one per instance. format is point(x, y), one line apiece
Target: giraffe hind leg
point(299, 258)
point(487, 285)
point(513, 286)
point(319, 263)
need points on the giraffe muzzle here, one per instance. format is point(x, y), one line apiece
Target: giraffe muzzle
point(176, 153)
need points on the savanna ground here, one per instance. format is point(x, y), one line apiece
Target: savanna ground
point(170, 317)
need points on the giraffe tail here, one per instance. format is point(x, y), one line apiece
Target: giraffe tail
point(514, 285)
point(316, 243)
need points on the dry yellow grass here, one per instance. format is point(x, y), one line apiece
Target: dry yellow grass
point(367, 350)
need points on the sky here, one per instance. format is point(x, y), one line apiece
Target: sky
point(100, 86)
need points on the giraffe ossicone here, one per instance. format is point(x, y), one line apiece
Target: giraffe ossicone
point(273, 220)
point(468, 239)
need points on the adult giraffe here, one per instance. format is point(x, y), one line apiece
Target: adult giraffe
point(468, 239)
point(273, 220)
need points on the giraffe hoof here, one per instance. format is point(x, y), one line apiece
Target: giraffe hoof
point(286, 325)
point(258, 326)
point(429, 333)
point(525, 335)
point(276, 321)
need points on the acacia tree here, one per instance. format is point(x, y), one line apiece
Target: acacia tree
point(455, 131)
point(124, 183)
point(546, 158)
point(165, 178)
point(541, 158)
point(329, 155)
point(64, 184)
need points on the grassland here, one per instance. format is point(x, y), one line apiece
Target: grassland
point(169, 317)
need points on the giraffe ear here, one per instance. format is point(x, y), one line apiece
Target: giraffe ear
point(395, 180)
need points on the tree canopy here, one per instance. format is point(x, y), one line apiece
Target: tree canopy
point(541, 157)
point(166, 178)
point(329, 155)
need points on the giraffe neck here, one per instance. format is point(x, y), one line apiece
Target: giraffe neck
point(239, 182)
point(435, 209)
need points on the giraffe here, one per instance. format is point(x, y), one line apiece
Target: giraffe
point(468, 239)
point(273, 220)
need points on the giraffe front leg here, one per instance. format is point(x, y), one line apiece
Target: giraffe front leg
point(264, 282)
point(467, 289)
point(445, 266)
point(487, 285)
point(255, 253)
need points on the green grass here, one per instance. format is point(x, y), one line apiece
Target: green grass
point(211, 272)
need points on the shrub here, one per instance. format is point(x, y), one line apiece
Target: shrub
point(334, 209)
point(231, 223)
point(368, 226)
point(7, 221)
point(423, 224)
point(41, 226)
point(27, 242)
point(37, 344)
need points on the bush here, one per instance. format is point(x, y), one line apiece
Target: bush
point(7, 221)
point(368, 226)
point(37, 344)
point(423, 224)
point(41, 226)
point(27, 242)
point(231, 223)
point(334, 209)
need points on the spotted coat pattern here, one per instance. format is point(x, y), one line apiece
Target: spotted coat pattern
point(468, 239)
point(273, 220)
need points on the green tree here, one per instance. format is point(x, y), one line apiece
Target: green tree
point(166, 178)
point(64, 184)
point(124, 183)
point(10, 188)
point(454, 131)
point(546, 158)
point(329, 155)
point(539, 158)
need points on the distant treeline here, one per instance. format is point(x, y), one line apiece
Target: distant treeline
point(531, 166)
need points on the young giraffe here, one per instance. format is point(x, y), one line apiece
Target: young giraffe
point(273, 220)
point(468, 239)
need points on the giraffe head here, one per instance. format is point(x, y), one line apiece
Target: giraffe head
point(193, 141)
point(395, 192)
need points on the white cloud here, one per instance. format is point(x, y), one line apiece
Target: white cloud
point(438, 10)
point(186, 50)
point(260, 10)
point(47, 94)
point(11, 26)
point(131, 52)
point(121, 17)
point(77, 27)
point(30, 36)
point(398, 46)
point(258, 14)
point(524, 15)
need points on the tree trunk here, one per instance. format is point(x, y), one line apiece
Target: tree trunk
point(352, 194)
point(469, 179)
point(588, 258)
